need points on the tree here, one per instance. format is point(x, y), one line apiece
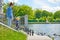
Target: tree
point(45, 13)
point(5, 7)
point(16, 10)
point(23, 10)
point(38, 13)
point(57, 14)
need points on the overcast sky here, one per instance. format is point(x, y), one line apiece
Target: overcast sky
point(49, 5)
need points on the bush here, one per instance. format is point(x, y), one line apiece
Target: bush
point(52, 20)
point(42, 20)
point(58, 20)
point(32, 20)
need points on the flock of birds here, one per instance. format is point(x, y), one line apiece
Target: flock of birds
point(42, 34)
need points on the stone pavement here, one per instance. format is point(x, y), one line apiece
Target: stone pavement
point(37, 37)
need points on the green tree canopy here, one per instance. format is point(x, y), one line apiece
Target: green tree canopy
point(38, 13)
point(22, 10)
point(57, 14)
point(46, 13)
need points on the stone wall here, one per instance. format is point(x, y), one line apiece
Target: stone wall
point(1, 8)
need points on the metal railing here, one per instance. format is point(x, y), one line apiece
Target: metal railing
point(4, 20)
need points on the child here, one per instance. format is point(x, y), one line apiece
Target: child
point(17, 23)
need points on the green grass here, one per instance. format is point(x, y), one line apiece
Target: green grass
point(8, 34)
point(52, 38)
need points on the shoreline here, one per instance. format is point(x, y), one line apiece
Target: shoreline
point(43, 23)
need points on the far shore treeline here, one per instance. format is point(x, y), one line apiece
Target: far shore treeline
point(36, 15)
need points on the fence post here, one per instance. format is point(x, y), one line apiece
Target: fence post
point(26, 20)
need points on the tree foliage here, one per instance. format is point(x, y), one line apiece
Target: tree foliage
point(46, 13)
point(38, 13)
point(57, 14)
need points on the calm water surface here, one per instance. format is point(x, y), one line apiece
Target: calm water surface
point(49, 29)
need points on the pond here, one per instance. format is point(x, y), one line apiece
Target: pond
point(49, 29)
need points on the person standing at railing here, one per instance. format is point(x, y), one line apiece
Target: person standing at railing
point(9, 14)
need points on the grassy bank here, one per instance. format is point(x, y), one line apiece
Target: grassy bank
point(8, 34)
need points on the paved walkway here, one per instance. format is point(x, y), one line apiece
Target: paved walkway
point(37, 37)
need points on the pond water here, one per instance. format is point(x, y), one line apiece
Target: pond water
point(49, 29)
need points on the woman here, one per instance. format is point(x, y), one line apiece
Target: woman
point(9, 14)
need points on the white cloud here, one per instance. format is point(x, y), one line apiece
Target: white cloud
point(45, 6)
point(51, 9)
point(13, 1)
point(54, 1)
point(40, 3)
point(36, 1)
